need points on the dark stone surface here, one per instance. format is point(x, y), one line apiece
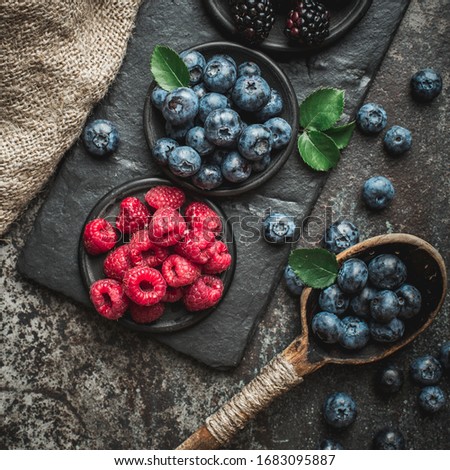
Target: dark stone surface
point(50, 255)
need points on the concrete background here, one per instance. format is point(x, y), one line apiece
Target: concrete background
point(71, 380)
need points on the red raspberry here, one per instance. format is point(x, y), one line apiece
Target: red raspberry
point(165, 196)
point(173, 294)
point(133, 215)
point(203, 220)
point(117, 263)
point(179, 271)
point(204, 293)
point(195, 248)
point(144, 285)
point(143, 314)
point(99, 236)
point(144, 252)
point(219, 260)
point(167, 227)
point(109, 298)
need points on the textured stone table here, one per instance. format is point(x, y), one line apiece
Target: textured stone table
point(70, 381)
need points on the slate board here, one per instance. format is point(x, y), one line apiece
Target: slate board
point(50, 254)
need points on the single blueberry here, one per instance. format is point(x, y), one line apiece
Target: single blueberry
point(158, 97)
point(378, 192)
point(426, 84)
point(293, 282)
point(178, 133)
point(397, 140)
point(196, 139)
point(339, 410)
point(352, 276)
point(389, 379)
point(184, 161)
point(273, 107)
point(281, 132)
point(330, 444)
point(279, 228)
point(248, 68)
point(444, 355)
point(360, 303)
point(385, 306)
point(387, 332)
point(327, 327)
point(255, 142)
point(410, 301)
point(432, 399)
point(162, 150)
point(371, 118)
point(426, 370)
point(101, 137)
point(224, 57)
point(355, 333)
point(333, 300)
point(387, 272)
point(261, 165)
point(219, 74)
point(180, 106)
point(389, 439)
point(208, 177)
point(251, 93)
point(200, 90)
point(210, 102)
point(235, 168)
point(223, 127)
point(340, 235)
point(195, 63)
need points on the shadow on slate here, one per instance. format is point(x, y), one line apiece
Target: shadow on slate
point(50, 254)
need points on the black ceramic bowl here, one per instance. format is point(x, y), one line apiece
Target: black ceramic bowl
point(91, 267)
point(343, 19)
point(154, 121)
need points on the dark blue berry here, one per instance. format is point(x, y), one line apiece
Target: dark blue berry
point(333, 300)
point(184, 161)
point(195, 63)
point(327, 327)
point(196, 139)
point(281, 132)
point(352, 276)
point(180, 106)
point(208, 177)
point(385, 306)
point(248, 68)
point(101, 137)
point(219, 74)
point(410, 301)
point(162, 150)
point(255, 142)
point(251, 93)
point(210, 102)
point(389, 439)
point(224, 57)
point(279, 228)
point(339, 410)
point(273, 107)
point(158, 97)
point(223, 127)
point(360, 303)
point(426, 84)
point(397, 140)
point(330, 444)
point(371, 118)
point(262, 164)
point(444, 355)
point(389, 379)
point(426, 370)
point(432, 399)
point(387, 272)
point(387, 332)
point(178, 133)
point(355, 333)
point(293, 282)
point(200, 90)
point(378, 192)
point(235, 168)
point(340, 235)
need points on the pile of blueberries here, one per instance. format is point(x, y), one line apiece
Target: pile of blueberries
point(207, 136)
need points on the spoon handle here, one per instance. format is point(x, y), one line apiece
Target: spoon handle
point(283, 373)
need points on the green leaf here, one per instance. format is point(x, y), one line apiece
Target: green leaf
point(322, 109)
point(168, 68)
point(316, 267)
point(341, 135)
point(318, 150)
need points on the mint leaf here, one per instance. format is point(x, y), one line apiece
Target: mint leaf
point(168, 68)
point(322, 109)
point(341, 135)
point(316, 267)
point(318, 150)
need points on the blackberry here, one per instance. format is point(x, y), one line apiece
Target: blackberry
point(253, 18)
point(308, 23)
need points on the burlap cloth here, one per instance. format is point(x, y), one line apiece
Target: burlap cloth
point(57, 59)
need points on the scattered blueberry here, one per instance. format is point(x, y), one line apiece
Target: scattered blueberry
point(397, 140)
point(432, 399)
point(158, 97)
point(333, 300)
point(444, 355)
point(389, 379)
point(248, 68)
point(352, 276)
point(293, 282)
point(327, 327)
point(384, 306)
point(196, 139)
point(330, 444)
point(410, 301)
point(272, 108)
point(371, 118)
point(360, 303)
point(378, 192)
point(184, 161)
point(389, 439)
point(339, 410)
point(210, 102)
point(200, 90)
point(281, 132)
point(220, 74)
point(208, 177)
point(426, 370)
point(279, 228)
point(255, 142)
point(261, 165)
point(355, 333)
point(195, 63)
point(178, 133)
point(223, 127)
point(235, 168)
point(162, 149)
point(426, 84)
point(387, 272)
point(340, 235)
point(251, 93)
point(180, 106)
point(387, 332)
point(101, 137)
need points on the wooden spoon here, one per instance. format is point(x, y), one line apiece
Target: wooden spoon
point(426, 271)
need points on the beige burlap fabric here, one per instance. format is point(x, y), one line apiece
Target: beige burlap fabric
point(57, 59)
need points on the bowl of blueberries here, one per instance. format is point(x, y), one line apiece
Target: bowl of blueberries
point(231, 130)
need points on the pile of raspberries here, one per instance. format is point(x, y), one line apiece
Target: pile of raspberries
point(174, 253)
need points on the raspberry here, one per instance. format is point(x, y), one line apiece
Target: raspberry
point(179, 271)
point(133, 215)
point(173, 294)
point(167, 227)
point(219, 260)
point(203, 220)
point(144, 252)
point(108, 298)
point(143, 314)
point(165, 196)
point(117, 263)
point(99, 236)
point(144, 285)
point(204, 293)
point(195, 248)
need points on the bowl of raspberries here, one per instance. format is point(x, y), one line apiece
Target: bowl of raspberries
point(154, 258)
point(231, 129)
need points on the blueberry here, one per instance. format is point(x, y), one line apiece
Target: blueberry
point(210, 102)
point(225, 57)
point(397, 140)
point(352, 276)
point(158, 97)
point(339, 410)
point(223, 127)
point(208, 177)
point(281, 132)
point(330, 444)
point(217, 157)
point(180, 106)
point(162, 149)
point(410, 301)
point(249, 69)
point(255, 142)
point(385, 306)
point(101, 137)
point(196, 139)
point(333, 300)
point(200, 90)
point(444, 355)
point(432, 399)
point(219, 75)
point(387, 332)
point(279, 228)
point(178, 132)
point(184, 161)
point(272, 109)
point(371, 118)
point(426, 370)
point(293, 282)
point(251, 93)
point(389, 379)
point(378, 192)
point(261, 165)
point(340, 235)
point(389, 439)
point(235, 168)
point(387, 272)
point(426, 84)
point(327, 327)
point(360, 303)
point(195, 63)
point(355, 333)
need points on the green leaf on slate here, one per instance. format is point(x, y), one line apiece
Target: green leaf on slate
point(322, 109)
point(318, 150)
point(341, 135)
point(316, 267)
point(168, 68)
